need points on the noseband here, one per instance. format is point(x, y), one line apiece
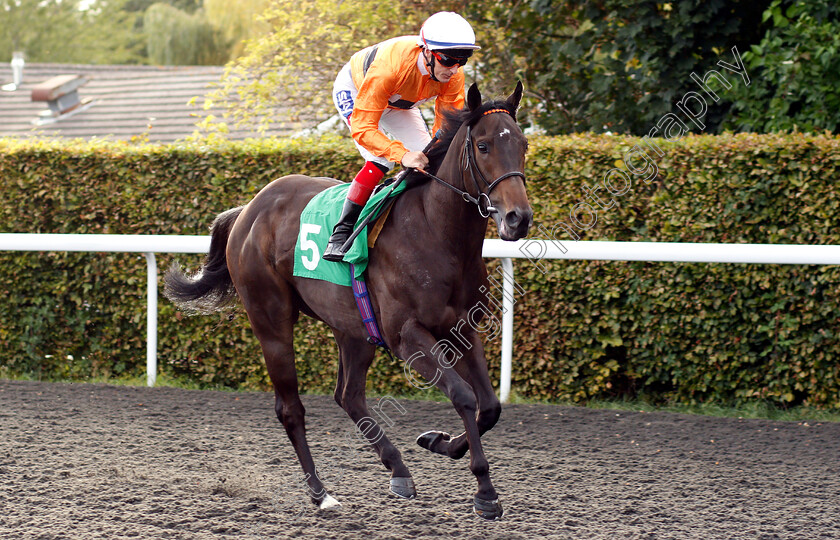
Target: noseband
point(482, 201)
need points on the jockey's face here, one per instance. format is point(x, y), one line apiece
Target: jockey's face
point(442, 73)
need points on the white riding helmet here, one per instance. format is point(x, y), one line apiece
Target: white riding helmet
point(447, 30)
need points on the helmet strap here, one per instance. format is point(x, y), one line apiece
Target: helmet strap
point(430, 64)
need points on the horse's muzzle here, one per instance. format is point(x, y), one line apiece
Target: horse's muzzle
point(515, 223)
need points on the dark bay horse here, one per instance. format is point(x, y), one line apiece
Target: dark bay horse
point(425, 276)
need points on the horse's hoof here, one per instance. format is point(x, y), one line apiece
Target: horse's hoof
point(487, 509)
point(328, 503)
point(431, 439)
point(403, 487)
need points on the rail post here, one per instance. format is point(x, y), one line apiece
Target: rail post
point(507, 329)
point(151, 319)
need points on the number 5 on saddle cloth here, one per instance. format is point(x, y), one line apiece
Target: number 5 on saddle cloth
point(316, 224)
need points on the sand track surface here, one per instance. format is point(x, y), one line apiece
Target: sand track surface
point(84, 461)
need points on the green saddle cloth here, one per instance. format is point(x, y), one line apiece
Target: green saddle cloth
point(316, 225)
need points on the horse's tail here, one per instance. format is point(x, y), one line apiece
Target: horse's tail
point(211, 288)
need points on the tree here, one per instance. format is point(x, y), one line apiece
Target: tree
point(68, 32)
point(796, 71)
point(611, 65)
point(600, 65)
point(295, 63)
point(179, 38)
point(238, 22)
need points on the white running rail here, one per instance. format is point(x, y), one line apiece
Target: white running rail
point(535, 250)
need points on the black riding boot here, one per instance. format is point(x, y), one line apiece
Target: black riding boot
point(342, 231)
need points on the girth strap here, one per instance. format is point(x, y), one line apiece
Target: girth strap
point(360, 292)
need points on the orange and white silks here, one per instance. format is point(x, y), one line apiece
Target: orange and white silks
point(389, 80)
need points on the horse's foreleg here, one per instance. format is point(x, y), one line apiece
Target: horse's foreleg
point(356, 358)
point(472, 367)
point(415, 346)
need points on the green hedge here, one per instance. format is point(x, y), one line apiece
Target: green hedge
point(680, 332)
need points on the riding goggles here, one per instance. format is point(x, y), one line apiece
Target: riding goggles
point(449, 61)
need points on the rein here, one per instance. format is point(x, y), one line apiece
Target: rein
point(469, 164)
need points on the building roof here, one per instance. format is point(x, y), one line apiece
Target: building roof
point(118, 103)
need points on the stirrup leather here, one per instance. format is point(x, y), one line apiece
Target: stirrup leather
point(342, 231)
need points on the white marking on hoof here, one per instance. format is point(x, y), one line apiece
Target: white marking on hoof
point(328, 503)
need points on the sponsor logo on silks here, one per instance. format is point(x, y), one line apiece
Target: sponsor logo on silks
point(345, 103)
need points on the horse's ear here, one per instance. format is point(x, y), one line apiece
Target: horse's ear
point(514, 99)
point(473, 97)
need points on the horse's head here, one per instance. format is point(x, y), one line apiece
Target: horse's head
point(494, 154)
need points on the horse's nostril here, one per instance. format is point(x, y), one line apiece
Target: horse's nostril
point(513, 219)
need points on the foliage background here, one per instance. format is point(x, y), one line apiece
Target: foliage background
point(588, 66)
point(612, 65)
point(797, 71)
point(593, 66)
point(59, 31)
point(664, 332)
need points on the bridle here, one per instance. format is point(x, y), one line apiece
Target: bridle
point(468, 163)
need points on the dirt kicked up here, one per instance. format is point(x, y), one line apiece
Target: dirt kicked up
point(81, 461)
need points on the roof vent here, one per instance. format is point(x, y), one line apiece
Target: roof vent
point(17, 72)
point(62, 95)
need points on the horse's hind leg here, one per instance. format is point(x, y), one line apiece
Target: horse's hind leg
point(273, 320)
point(356, 358)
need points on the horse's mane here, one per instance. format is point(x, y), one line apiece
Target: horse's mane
point(452, 122)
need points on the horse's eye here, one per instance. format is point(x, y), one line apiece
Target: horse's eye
point(482, 147)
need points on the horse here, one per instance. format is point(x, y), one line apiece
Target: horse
point(425, 273)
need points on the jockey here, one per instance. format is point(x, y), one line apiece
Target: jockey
point(378, 91)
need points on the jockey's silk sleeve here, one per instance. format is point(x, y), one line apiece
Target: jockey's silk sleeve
point(396, 78)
